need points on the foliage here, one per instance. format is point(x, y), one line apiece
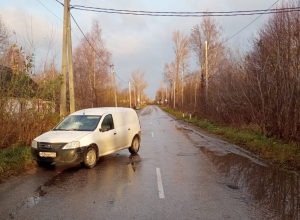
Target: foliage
point(258, 87)
point(24, 126)
point(14, 160)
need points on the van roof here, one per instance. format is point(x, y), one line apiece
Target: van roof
point(101, 111)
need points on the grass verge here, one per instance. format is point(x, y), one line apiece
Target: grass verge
point(14, 160)
point(272, 150)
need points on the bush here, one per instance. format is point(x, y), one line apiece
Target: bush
point(24, 127)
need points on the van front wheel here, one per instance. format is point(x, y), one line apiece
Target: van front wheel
point(90, 158)
point(135, 146)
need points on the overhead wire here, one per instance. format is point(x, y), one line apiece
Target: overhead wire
point(82, 34)
point(203, 12)
point(120, 78)
point(183, 14)
point(188, 14)
point(59, 2)
point(89, 41)
point(93, 47)
point(250, 23)
point(57, 16)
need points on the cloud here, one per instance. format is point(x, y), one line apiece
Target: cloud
point(134, 41)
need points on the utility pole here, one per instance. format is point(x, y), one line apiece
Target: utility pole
point(63, 88)
point(182, 90)
point(129, 94)
point(174, 94)
point(162, 91)
point(70, 62)
point(93, 90)
point(134, 97)
point(166, 94)
point(114, 78)
point(195, 95)
point(206, 74)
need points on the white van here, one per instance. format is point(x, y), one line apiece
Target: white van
point(88, 134)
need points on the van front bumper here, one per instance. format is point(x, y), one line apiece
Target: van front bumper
point(65, 156)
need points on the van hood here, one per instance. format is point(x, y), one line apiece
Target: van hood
point(62, 136)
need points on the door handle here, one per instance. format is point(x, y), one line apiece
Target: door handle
point(128, 129)
point(115, 133)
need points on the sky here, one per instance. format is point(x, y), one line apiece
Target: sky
point(135, 41)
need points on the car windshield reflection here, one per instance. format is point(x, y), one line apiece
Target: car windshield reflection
point(79, 123)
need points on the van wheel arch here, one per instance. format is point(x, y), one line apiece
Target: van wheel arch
point(96, 148)
point(91, 156)
point(135, 145)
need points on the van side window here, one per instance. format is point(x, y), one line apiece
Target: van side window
point(108, 121)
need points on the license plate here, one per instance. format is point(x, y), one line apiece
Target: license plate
point(47, 154)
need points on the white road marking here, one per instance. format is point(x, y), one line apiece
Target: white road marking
point(152, 134)
point(160, 185)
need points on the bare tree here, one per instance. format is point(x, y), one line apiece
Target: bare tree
point(139, 83)
point(182, 54)
point(91, 73)
point(211, 32)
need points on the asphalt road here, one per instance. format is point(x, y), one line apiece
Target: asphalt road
point(179, 173)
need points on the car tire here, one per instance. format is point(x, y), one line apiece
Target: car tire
point(90, 158)
point(135, 145)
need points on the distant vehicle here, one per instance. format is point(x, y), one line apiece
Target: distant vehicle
point(88, 134)
point(137, 107)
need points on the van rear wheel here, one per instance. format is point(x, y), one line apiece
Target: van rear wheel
point(90, 158)
point(135, 146)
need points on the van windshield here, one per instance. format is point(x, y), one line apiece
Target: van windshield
point(79, 123)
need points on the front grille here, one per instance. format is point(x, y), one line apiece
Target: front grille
point(50, 146)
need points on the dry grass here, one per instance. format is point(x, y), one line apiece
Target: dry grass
point(273, 150)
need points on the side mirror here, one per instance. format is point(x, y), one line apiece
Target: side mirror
point(104, 128)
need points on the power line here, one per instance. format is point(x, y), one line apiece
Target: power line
point(60, 2)
point(82, 33)
point(88, 41)
point(203, 12)
point(120, 78)
point(57, 16)
point(188, 14)
point(73, 18)
point(50, 11)
point(250, 23)
point(204, 15)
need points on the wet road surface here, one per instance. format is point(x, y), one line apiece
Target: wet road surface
point(179, 173)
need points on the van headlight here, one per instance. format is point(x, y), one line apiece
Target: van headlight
point(72, 145)
point(34, 144)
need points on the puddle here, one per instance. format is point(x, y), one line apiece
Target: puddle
point(187, 154)
point(33, 200)
point(178, 127)
point(276, 190)
point(134, 161)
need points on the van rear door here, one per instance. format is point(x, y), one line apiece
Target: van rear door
point(132, 125)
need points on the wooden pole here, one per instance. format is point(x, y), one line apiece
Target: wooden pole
point(70, 63)
point(63, 88)
point(114, 78)
point(129, 94)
